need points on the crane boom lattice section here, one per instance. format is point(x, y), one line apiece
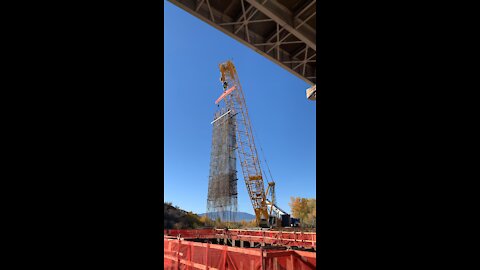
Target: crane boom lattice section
point(247, 152)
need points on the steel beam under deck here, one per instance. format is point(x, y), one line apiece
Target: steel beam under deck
point(281, 30)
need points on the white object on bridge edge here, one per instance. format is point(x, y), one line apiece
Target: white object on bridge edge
point(312, 93)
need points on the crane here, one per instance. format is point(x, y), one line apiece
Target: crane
point(263, 200)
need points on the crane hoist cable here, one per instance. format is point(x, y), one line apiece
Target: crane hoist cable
point(263, 154)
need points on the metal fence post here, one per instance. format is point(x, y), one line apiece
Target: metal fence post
point(291, 263)
point(263, 259)
point(225, 257)
point(301, 235)
point(189, 256)
point(206, 256)
point(178, 255)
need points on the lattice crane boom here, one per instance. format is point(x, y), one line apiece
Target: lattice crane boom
point(246, 150)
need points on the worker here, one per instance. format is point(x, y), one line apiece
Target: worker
point(225, 85)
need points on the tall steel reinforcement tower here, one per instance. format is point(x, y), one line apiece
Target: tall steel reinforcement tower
point(222, 184)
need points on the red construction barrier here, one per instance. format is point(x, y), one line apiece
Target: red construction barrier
point(282, 238)
point(300, 239)
point(203, 233)
point(179, 254)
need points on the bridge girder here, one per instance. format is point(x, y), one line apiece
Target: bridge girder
point(280, 30)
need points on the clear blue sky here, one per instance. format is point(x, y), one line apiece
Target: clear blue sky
point(282, 118)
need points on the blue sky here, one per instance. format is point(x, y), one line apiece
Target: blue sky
point(283, 119)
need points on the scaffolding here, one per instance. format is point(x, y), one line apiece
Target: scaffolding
point(222, 185)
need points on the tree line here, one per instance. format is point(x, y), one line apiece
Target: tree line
point(305, 209)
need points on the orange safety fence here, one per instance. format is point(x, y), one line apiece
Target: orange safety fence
point(179, 254)
point(301, 239)
point(204, 233)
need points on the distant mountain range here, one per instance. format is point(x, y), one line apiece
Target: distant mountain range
point(239, 215)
